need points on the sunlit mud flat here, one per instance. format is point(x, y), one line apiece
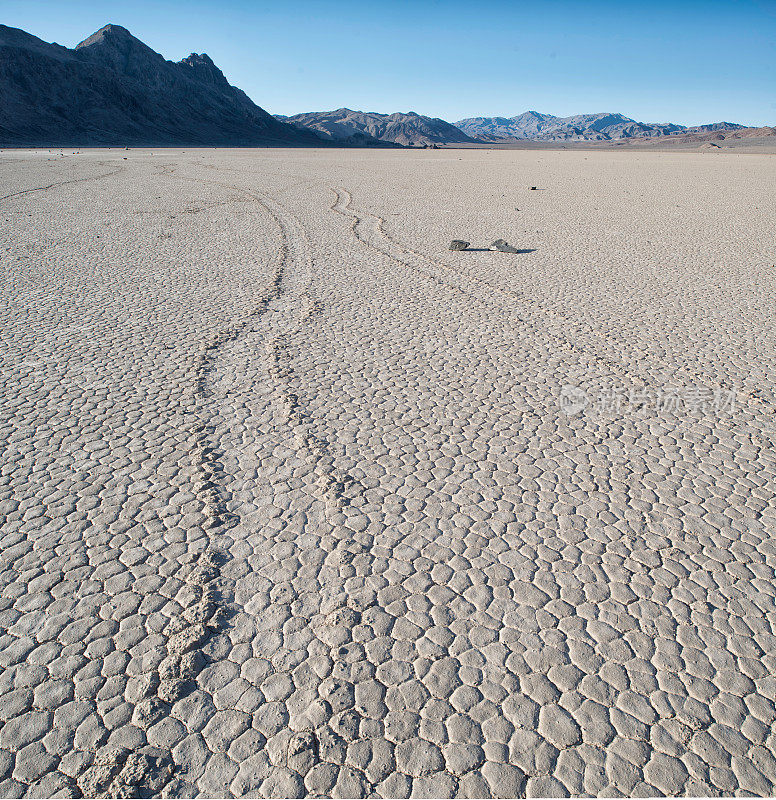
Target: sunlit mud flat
point(297, 501)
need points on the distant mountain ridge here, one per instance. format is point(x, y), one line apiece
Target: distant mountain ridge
point(581, 127)
point(114, 90)
point(409, 129)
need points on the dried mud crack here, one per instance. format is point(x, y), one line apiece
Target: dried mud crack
point(610, 350)
point(290, 507)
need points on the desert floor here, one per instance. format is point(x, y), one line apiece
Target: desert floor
point(299, 502)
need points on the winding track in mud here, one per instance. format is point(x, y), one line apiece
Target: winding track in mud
point(56, 185)
point(544, 322)
point(571, 330)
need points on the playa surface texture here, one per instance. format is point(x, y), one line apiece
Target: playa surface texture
point(299, 502)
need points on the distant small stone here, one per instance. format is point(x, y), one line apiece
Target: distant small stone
point(458, 244)
point(532, 188)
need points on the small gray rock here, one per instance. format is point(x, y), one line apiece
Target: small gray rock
point(458, 244)
point(503, 247)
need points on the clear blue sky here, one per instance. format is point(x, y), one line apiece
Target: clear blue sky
point(685, 61)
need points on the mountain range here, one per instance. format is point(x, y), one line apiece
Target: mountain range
point(114, 90)
point(581, 127)
point(364, 127)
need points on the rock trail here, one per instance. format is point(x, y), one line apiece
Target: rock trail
point(609, 348)
point(59, 184)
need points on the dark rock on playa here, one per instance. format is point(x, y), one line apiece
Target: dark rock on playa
point(503, 247)
point(458, 244)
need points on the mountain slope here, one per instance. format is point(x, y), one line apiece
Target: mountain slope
point(406, 129)
point(114, 90)
point(581, 127)
point(711, 136)
point(714, 126)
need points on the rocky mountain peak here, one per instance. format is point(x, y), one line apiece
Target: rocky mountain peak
point(116, 48)
point(113, 89)
point(602, 126)
point(203, 69)
point(110, 34)
point(402, 128)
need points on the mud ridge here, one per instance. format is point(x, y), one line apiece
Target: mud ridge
point(203, 593)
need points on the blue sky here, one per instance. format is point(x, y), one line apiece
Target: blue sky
point(684, 61)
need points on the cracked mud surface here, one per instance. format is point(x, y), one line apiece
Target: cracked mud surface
point(290, 507)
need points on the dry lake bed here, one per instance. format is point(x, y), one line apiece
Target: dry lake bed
point(298, 502)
